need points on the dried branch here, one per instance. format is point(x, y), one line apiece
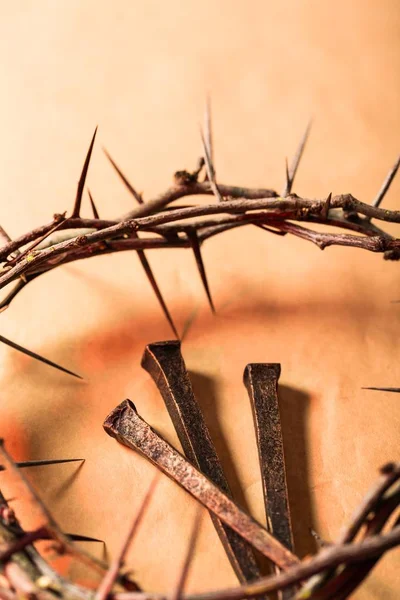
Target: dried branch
point(107, 583)
point(189, 556)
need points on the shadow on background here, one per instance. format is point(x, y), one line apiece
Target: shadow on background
point(293, 407)
point(205, 391)
point(293, 404)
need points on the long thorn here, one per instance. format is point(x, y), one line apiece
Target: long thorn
point(46, 361)
point(127, 183)
point(194, 240)
point(54, 461)
point(189, 556)
point(81, 183)
point(383, 389)
point(208, 135)
point(150, 276)
point(76, 537)
point(210, 170)
point(386, 184)
point(94, 208)
point(107, 583)
point(296, 160)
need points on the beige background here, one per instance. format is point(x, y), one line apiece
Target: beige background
point(141, 71)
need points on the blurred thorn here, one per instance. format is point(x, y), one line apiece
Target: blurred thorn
point(37, 357)
point(210, 171)
point(383, 389)
point(189, 555)
point(208, 137)
point(129, 186)
point(386, 184)
point(291, 173)
point(75, 537)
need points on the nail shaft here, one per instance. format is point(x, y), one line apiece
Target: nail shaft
point(164, 362)
point(124, 424)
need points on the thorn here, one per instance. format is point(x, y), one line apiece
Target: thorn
point(109, 578)
point(150, 276)
point(383, 389)
point(194, 240)
point(189, 556)
point(35, 243)
point(41, 463)
point(5, 303)
point(208, 135)
point(81, 183)
point(386, 184)
point(92, 204)
point(130, 187)
point(291, 173)
point(210, 170)
point(75, 537)
point(326, 207)
point(288, 185)
point(37, 357)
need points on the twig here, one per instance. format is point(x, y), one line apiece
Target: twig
point(107, 583)
point(189, 556)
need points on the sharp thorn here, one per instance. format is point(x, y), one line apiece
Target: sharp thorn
point(326, 207)
point(297, 157)
point(75, 537)
point(128, 185)
point(210, 170)
point(37, 357)
point(208, 134)
point(386, 184)
point(40, 463)
point(194, 240)
point(383, 389)
point(287, 187)
point(81, 183)
point(92, 204)
point(150, 276)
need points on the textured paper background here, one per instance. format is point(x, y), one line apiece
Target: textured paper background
point(141, 70)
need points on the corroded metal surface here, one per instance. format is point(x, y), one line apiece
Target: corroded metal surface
point(165, 364)
point(130, 429)
point(261, 381)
